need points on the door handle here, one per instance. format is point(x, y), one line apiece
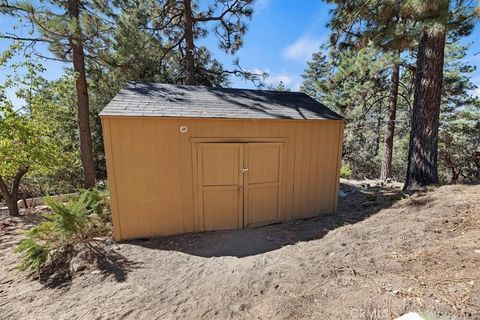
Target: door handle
point(243, 170)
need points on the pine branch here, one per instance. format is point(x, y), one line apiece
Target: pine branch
point(18, 38)
point(5, 7)
point(240, 72)
point(230, 9)
point(51, 58)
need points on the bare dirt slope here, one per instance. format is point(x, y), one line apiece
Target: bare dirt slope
point(378, 258)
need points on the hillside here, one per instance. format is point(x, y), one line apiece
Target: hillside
point(383, 254)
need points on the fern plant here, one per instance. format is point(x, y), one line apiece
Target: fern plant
point(78, 221)
point(34, 248)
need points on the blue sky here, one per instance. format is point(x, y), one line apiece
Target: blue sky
point(280, 39)
point(284, 33)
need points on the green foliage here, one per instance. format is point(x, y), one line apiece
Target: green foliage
point(140, 54)
point(38, 130)
point(396, 24)
point(139, 40)
point(227, 16)
point(27, 139)
point(68, 224)
point(389, 26)
point(57, 28)
point(81, 217)
point(356, 84)
point(34, 247)
point(316, 75)
point(345, 172)
point(278, 87)
point(459, 146)
point(459, 132)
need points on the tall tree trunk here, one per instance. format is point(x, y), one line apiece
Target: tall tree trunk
point(386, 170)
point(86, 148)
point(378, 129)
point(11, 196)
point(190, 54)
point(422, 154)
point(12, 206)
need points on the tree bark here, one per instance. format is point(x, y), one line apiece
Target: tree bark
point(190, 46)
point(455, 175)
point(12, 206)
point(12, 195)
point(378, 128)
point(422, 154)
point(386, 170)
point(85, 135)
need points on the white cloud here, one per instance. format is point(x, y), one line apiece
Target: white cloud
point(277, 78)
point(302, 48)
point(259, 71)
point(290, 81)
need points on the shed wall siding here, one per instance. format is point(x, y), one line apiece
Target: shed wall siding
point(151, 174)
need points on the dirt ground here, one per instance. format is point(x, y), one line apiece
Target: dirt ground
point(383, 254)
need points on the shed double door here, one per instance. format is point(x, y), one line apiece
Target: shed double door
point(239, 184)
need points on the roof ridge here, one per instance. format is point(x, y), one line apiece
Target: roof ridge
point(214, 88)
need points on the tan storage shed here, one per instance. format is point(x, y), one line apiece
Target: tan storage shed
point(187, 158)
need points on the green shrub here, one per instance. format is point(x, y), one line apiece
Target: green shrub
point(345, 172)
point(78, 221)
point(34, 255)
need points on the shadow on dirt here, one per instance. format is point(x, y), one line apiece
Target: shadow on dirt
point(69, 263)
point(358, 204)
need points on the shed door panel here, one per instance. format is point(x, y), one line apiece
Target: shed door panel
point(220, 185)
point(263, 182)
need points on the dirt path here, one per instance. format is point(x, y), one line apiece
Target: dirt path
point(378, 258)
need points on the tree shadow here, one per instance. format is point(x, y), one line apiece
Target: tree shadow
point(59, 272)
point(143, 98)
point(358, 205)
point(105, 261)
point(10, 226)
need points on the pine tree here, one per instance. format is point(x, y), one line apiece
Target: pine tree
point(143, 50)
point(78, 58)
point(181, 23)
point(376, 23)
point(70, 28)
point(436, 19)
point(316, 75)
point(398, 25)
point(459, 132)
point(355, 84)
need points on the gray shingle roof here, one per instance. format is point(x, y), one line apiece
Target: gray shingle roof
point(165, 100)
